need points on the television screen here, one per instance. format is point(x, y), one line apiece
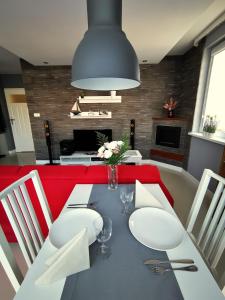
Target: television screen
point(86, 140)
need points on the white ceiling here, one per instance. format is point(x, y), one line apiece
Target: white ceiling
point(50, 30)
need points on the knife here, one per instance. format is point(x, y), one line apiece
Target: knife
point(157, 261)
point(80, 204)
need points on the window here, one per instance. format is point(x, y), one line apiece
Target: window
point(214, 100)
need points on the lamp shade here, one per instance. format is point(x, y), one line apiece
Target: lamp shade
point(105, 59)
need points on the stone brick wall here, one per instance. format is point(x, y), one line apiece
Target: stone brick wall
point(49, 92)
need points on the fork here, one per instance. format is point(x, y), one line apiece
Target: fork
point(162, 270)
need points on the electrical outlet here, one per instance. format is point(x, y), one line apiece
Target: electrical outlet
point(37, 115)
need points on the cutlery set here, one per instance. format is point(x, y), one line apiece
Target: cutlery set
point(158, 268)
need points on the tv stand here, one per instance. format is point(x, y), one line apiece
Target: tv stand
point(91, 158)
point(80, 158)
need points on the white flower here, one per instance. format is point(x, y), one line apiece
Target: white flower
point(101, 149)
point(120, 143)
point(106, 145)
point(113, 145)
point(116, 151)
point(107, 154)
point(100, 154)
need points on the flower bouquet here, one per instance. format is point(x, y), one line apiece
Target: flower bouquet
point(112, 153)
point(170, 105)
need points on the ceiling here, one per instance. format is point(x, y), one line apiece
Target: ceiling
point(50, 30)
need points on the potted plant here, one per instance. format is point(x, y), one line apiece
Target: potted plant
point(210, 125)
point(170, 105)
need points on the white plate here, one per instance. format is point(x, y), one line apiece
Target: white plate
point(156, 228)
point(72, 222)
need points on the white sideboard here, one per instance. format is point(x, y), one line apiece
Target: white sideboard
point(90, 158)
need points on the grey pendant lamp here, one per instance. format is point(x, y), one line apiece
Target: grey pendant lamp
point(105, 59)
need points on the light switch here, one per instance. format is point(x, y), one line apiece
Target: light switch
point(37, 115)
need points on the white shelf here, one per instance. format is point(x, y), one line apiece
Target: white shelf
point(100, 99)
point(92, 115)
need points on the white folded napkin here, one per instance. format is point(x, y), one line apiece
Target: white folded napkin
point(144, 198)
point(72, 258)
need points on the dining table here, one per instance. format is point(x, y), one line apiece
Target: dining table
point(122, 273)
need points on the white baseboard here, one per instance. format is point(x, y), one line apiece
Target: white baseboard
point(161, 164)
point(173, 168)
point(190, 177)
point(12, 151)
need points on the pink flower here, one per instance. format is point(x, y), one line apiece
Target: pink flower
point(170, 104)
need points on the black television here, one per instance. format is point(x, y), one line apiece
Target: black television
point(86, 140)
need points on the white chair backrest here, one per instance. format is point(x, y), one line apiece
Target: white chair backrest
point(19, 209)
point(211, 236)
point(8, 262)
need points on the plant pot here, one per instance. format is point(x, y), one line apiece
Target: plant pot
point(208, 134)
point(112, 177)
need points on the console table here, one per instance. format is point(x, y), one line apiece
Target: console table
point(90, 158)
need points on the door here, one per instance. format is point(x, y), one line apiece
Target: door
point(21, 129)
point(20, 120)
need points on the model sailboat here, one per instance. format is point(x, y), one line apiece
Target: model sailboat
point(76, 108)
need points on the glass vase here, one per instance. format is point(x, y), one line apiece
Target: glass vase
point(170, 113)
point(112, 177)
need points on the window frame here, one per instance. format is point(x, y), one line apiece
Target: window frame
point(213, 42)
point(211, 52)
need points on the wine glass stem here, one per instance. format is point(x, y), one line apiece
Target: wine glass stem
point(103, 247)
point(126, 208)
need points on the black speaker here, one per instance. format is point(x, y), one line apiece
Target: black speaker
point(2, 122)
point(48, 140)
point(132, 134)
point(47, 132)
point(67, 147)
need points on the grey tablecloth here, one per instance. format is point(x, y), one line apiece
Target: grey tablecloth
point(121, 275)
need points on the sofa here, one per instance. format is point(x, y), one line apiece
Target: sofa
point(59, 181)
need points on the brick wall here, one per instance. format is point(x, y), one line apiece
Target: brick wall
point(49, 92)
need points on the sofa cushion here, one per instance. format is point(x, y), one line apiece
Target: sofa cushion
point(56, 172)
point(143, 173)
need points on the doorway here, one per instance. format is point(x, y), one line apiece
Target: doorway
point(19, 119)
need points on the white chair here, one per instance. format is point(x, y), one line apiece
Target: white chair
point(211, 235)
point(8, 262)
point(19, 209)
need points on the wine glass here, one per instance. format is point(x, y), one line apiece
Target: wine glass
point(126, 197)
point(103, 229)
